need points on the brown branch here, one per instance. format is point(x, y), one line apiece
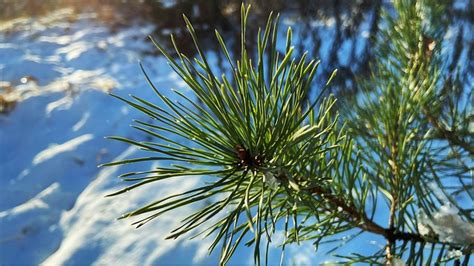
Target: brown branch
point(360, 220)
point(449, 135)
point(363, 222)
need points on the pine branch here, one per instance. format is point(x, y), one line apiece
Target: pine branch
point(255, 135)
point(355, 217)
point(363, 222)
point(450, 135)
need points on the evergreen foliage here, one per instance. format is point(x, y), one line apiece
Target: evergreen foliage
point(275, 161)
point(413, 128)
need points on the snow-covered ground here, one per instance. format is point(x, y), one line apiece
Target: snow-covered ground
point(52, 205)
point(58, 69)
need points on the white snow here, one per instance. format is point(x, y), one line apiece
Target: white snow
point(56, 149)
point(447, 224)
point(38, 202)
point(52, 205)
point(455, 253)
point(81, 122)
point(398, 262)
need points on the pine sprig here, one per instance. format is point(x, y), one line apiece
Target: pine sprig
point(396, 121)
point(266, 145)
point(274, 161)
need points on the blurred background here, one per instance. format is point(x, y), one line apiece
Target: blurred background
point(59, 59)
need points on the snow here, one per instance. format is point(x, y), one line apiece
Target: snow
point(454, 254)
point(53, 209)
point(52, 205)
point(398, 262)
point(38, 202)
point(81, 122)
point(447, 224)
point(56, 149)
point(81, 223)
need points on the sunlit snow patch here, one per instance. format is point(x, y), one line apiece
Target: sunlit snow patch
point(58, 149)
